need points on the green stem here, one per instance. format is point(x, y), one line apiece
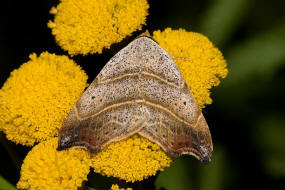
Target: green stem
point(4, 184)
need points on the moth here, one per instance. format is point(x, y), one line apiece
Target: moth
point(139, 91)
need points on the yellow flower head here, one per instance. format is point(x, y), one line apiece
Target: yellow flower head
point(37, 97)
point(132, 159)
point(200, 63)
point(46, 168)
point(116, 187)
point(88, 26)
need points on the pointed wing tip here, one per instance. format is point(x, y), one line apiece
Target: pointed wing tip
point(205, 160)
point(60, 148)
point(62, 145)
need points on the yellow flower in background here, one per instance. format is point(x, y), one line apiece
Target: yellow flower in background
point(200, 63)
point(36, 98)
point(46, 168)
point(132, 159)
point(116, 187)
point(87, 27)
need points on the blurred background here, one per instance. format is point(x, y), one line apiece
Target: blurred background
point(246, 119)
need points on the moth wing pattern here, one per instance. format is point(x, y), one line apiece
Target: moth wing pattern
point(140, 90)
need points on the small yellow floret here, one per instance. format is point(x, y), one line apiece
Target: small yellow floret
point(46, 168)
point(116, 187)
point(36, 98)
point(132, 159)
point(87, 27)
point(53, 11)
point(200, 63)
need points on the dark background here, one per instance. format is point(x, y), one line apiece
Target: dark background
point(246, 119)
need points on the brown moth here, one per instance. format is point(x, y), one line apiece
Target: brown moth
point(139, 91)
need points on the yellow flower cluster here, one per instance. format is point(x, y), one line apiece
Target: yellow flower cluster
point(87, 27)
point(200, 63)
point(116, 187)
point(135, 158)
point(36, 98)
point(34, 102)
point(46, 168)
point(132, 159)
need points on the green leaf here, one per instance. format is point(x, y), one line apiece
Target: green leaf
point(178, 176)
point(5, 185)
point(275, 166)
point(212, 176)
point(260, 55)
point(268, 137)
point(222, 18)
point(186, 173)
